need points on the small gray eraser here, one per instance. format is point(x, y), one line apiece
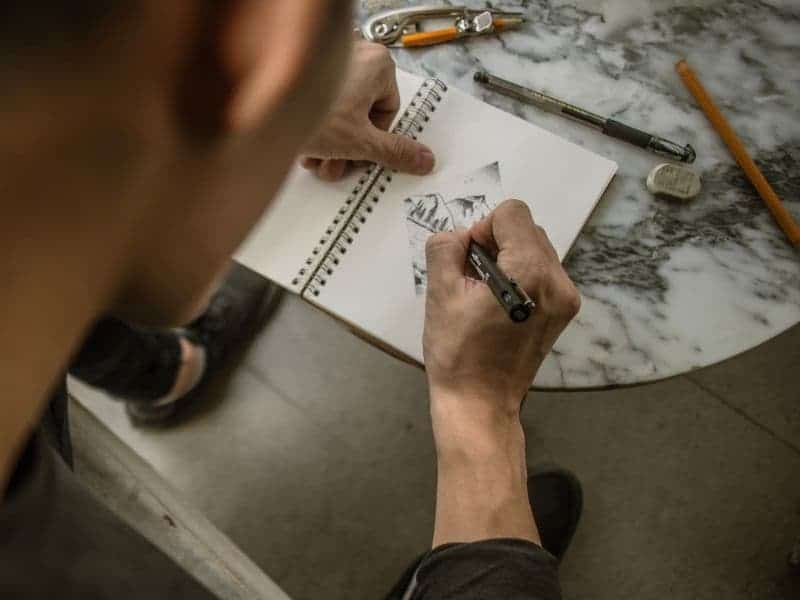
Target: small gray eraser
point(675, 181)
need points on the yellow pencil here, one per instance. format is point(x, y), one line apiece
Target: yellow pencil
point(735, 145)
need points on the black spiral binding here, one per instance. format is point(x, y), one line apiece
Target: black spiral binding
point(354, 213)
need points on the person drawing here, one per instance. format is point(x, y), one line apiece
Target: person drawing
point(141, 141)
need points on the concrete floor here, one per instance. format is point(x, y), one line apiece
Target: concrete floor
point(315, 456)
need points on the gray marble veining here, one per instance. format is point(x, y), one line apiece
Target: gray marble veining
point(667, 287)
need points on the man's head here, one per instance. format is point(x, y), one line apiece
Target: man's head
point(156, 132)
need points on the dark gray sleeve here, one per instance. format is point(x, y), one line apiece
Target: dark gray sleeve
point(503, 569)
point(58, 541)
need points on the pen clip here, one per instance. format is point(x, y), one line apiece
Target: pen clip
point(526, 299)
point(477, 264)
point(514, 300)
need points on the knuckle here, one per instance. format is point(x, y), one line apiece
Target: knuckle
point(545, 245)
point(524, 268)
point(401, 149)
point(566, 300)
point(385, 57)
point(572, 303)
point(525, 265)
point(515, 205)
point(536, 282)
point(438, 241)
point(381, 50)
point(377, 52)
point(371, 146)
point(515, 209)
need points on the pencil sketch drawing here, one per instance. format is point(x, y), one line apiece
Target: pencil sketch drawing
point(458, 204)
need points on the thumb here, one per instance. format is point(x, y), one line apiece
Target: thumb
point(401, 153)
point(446, 258)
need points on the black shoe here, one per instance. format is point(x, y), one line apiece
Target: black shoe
point(235, 314)
point(794, 558)
point(556, 497)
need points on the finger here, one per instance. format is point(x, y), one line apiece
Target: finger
point(510, 224)
point(332, 170)
point(382, 119)
point(386, 108)
point(400, 153)
point(481, 233)
point(446, 259)
point(556, 309)
point(312, 164)
point(388, 98)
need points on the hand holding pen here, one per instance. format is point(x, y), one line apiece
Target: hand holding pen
point(471, 345)
point(512, 298)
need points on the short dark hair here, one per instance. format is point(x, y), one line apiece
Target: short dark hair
point(36, 25)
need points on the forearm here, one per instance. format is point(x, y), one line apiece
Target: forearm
point(482, 475)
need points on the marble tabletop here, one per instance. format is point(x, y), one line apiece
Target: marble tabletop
point(667, 287)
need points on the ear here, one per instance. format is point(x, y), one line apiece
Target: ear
point(265, 47)
point(248, 55)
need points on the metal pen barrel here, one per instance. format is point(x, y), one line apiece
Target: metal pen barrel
point(509, 294)
point(540, 100)
point(610, 127)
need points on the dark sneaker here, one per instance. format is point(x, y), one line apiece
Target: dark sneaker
point(556, 497)
point(235, 315)
point(794, 558)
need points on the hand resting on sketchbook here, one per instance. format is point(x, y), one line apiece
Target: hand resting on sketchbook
point(357, 127)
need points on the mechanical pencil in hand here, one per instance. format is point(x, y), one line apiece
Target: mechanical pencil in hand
point(511, 296)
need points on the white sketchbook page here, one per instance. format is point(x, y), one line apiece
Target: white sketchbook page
point(373, 288)
point(304, 209)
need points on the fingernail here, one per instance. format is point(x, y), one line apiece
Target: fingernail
point(425, 161)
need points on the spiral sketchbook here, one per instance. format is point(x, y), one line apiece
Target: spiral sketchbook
point(355, 248)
